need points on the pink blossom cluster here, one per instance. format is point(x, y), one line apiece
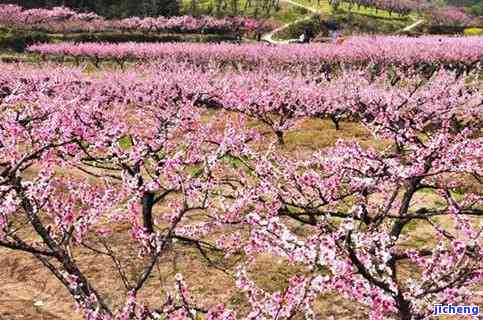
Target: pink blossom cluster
point(55, 19)
point(449, 15)
point(63, 19)
point(185, 24)
point(135, 161)
point(360, 50)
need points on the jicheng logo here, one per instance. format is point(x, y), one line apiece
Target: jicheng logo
point(449, 309)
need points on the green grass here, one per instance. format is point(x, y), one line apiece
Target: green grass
point(296, 29)
point(125, 143)
point(287, 15)
point(474, 32)
point(356, 23)
point(210, 7)
point(373, 13)
point(324, 7)
point(284, 14)
point(355, 20)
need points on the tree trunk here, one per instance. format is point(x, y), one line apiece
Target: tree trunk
point(280, 139)
point(336, 122)
point(84, 291)
point(193, 7)
point(404, 307)
point(148, 203)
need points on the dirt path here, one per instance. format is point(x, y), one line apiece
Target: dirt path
point(412, 26)
point(268, 37)
point(296, 4)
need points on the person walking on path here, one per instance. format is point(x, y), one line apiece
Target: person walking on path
point(306, 36)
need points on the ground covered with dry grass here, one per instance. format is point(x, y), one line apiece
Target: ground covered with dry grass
point(29, 292)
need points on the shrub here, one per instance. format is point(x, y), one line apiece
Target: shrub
point(295, 30)
point(19, 41)
point(473, 32)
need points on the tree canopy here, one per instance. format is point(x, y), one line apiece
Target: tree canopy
point(109, 8)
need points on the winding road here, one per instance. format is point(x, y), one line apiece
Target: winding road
point(268, 37)
point(412, 26)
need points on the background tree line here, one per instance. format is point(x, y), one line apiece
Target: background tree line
point(108, 8)
point(474, 7)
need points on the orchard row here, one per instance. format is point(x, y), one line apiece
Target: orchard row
point(63, 19)
point(174, 176)
point(447, 15)
point(460, 53)
point(402, 7)
point(278, 99)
